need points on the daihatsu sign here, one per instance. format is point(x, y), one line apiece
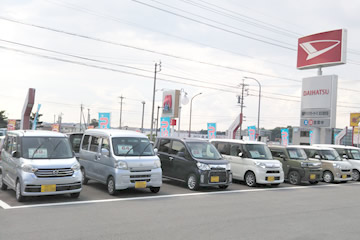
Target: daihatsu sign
point(322, 49)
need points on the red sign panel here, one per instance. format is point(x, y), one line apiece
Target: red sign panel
point(322, 49)
point(173, 122)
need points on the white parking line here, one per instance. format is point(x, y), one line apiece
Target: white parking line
point(7, 207)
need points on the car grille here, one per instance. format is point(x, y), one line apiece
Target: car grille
point(221, 174)
point(57, 172)
point(272, 171)
point(59, 187)
point(136, 178)
point(345, 170)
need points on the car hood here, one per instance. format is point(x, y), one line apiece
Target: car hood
point(51, 163)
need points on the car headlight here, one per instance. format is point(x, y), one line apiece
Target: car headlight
point(75, 167)
point(121, 165)
point(228, 166)
point(203, 166)
point(260, 164)
point(157, 164)
point(305, 164)
point(336, 165)
point(28, 168)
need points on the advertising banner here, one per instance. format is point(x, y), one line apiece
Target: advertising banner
point(252, 133)
point(171, 102)
point(211, 127)
point(36, 117)
point(104, 120)
point(354, 119)
point(165, 127)
point(322, 49)
point(311, 137)
point(55, 127)
point(11, 124)
point(284, 136)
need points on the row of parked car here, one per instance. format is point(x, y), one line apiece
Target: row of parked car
point(35, 163)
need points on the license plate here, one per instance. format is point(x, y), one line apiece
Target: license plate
point(141, 184)
point(312, 176)
point(344, 176)
point(48, 188)
point(271, 178)
point(214, 179)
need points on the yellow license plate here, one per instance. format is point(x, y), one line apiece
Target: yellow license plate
point(271, 178)
point(214, 179)
point(48, 188)
point(312, 176)
point(141, 184)
point(344, 176)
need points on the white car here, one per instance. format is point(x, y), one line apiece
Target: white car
point(250, 161)
point(350, 153)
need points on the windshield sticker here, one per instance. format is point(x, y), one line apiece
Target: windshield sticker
point(255, 154)
point(123, 149)
point(196, 153)
point(40, 153)
point(293, 154)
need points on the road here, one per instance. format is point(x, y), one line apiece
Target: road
point(325, 211)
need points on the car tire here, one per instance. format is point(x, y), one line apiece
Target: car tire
point(18, 194)
point(328, 177)
point(75, 195)
point(192, 182)
point(314, 182)
point(155, 189)
point(355, 175)
point(3, 186)
point(223, 186)
point(294, 177)
point(111, 186)
point(85, 180)
point(250, 179)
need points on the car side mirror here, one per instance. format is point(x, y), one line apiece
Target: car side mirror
point(181, 154)
point(345, 157)
point(282, 156)
point(317, 157)
point(156, 150)
point(240, 154)
point(105, 152)
point(15, 154)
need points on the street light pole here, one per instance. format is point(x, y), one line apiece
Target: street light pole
point(153, 102)
point(191, 111)
point(258, 124)
point(121, 103)
point(142, 121)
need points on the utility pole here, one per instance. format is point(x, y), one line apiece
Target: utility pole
point(142, 121)
point(121, 103)
point(157, 121)
point(241, 106)
point(157, 69)
point(81, 114)
point(88, 118)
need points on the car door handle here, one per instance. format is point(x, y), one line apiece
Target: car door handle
point(171, 158)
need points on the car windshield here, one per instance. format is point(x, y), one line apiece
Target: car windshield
point(203, 150)
point(46, 148)
point(354, 154)
point(297, 153)
point(257, 151)
point(132, 146)
point(331, 155)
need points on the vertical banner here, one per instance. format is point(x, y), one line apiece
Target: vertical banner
point(311, 137)
point(285, 137)
point(252, 133)
point(36, 117)
point(165, 127)
point(55, 127)
point(211, 127)
point(11, 124)
point(104, 120)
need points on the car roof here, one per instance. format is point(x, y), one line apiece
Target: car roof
point(311, 147)
point(336, 146)
point(237, 141)
point(185, 139)
point(114, 133)
point(36, 133)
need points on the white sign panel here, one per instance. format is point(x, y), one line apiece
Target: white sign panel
point(318, 101)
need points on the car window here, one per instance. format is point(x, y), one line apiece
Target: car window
point(85, 144)
point(105, 144)
point(75, 140)
point(257, 151)
point(14, 144)
point(203, 150)
point(132, 146)
point(8, 144)
point(297, 153)
point(46, 148)
point(164, 145)
point(235, 149)
point(224, 148)
point(94, 145)
point(354, 154)
point(276, 153)
point(176, 147)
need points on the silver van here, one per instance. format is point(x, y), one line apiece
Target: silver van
point(36, 163)
point(120, 159)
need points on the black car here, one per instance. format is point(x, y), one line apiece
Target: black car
point(193, 161)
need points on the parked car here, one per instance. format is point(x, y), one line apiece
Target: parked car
point(296, 165)
point(349, 153)
point(75, 141)
point(334, 168)
point(36, 163)
point(250, 161)
point(120, 159)
point(193, 161)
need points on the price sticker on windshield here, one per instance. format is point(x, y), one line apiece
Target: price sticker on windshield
point(40, 153)
point(123, 149)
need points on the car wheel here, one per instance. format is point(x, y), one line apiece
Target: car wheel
point(85, 180)
point(111, 186)
point(3, 186)
point(155, 189)
point(75, 195)
point(223, 186)
point(192, 182)
point(328, 177)
point(250, 179)
point(314, 182)
point(18, 194)
point(355, 175)
point(294, 178)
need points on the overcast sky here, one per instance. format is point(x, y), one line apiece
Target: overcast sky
point(206, 46)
